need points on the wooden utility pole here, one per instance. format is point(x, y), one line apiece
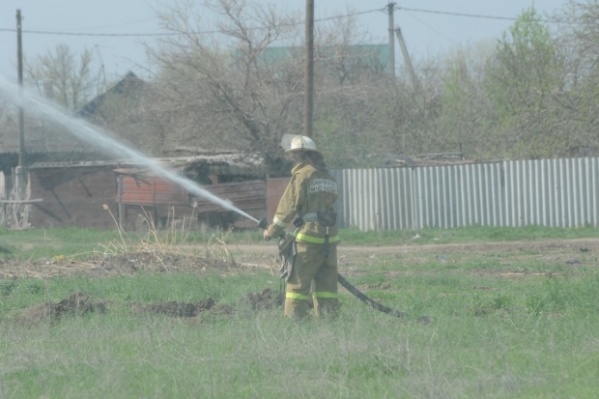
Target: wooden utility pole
point(309, 97)
point(20, 71)
point(391, 61)
point(406, 57)
point(19, 174)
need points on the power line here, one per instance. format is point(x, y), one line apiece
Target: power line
point(117, 25)
point(40, 32)
point(457, 14)
point(179, 33)
point(431, 28)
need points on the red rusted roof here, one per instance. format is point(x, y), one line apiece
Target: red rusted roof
point(150, 190)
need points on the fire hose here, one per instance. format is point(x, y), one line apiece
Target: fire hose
point(351, 288)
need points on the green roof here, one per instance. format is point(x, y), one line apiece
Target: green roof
point(375, 56)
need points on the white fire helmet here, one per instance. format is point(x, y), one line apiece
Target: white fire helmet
point(291, 142)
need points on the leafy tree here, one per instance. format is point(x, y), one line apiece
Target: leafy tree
point(523, 77)
point(579, 41)
point(463, 124)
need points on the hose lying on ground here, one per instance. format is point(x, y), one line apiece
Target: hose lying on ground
point(346, 284)
point(361, 296)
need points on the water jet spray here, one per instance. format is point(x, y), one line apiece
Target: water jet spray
point(104, 139)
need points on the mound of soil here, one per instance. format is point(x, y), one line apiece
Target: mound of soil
point(76, 304)
point(178, 309)
point(267, 299)
point(80, 304)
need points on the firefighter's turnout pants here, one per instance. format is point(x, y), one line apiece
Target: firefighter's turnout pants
point(310, 263)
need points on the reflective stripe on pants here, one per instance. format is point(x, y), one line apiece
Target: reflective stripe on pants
point(310, 264)
point(299, 297)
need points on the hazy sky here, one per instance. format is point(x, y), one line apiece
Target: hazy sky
point(425, 33)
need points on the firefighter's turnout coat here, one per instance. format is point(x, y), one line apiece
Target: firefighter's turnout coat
point(310, 190)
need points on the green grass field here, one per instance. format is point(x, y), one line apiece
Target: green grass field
point(502, 325)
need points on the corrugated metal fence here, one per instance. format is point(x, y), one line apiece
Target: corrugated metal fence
point(556, 192)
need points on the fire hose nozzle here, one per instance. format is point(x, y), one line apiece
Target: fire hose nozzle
point(263, 224)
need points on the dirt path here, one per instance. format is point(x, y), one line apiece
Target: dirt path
point(553, 245)
point(264, 256)
point(359, 258)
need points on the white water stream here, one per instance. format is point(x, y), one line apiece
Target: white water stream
point(36, 105)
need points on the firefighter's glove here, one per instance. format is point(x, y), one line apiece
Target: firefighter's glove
point(266, 236)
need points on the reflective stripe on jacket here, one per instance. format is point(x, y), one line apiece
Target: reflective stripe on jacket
point(309, 190)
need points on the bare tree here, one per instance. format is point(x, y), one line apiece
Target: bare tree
point(242, 87)
point(228, 91)
point(235, 83)
point(68, 78)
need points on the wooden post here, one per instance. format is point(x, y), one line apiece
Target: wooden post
point(391, 61)
point(120, 207)
point(309, 104)
point(406, 57)
point(20, 72)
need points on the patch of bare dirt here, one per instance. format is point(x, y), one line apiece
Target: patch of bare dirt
point(570, 252)
point(76, 304)
point(184, 309)
point(267, 299)
point(551, 245)
point(374, 286)
point(177, 309)
point(548, 245)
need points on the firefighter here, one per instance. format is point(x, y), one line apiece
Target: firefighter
point(310, 195)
